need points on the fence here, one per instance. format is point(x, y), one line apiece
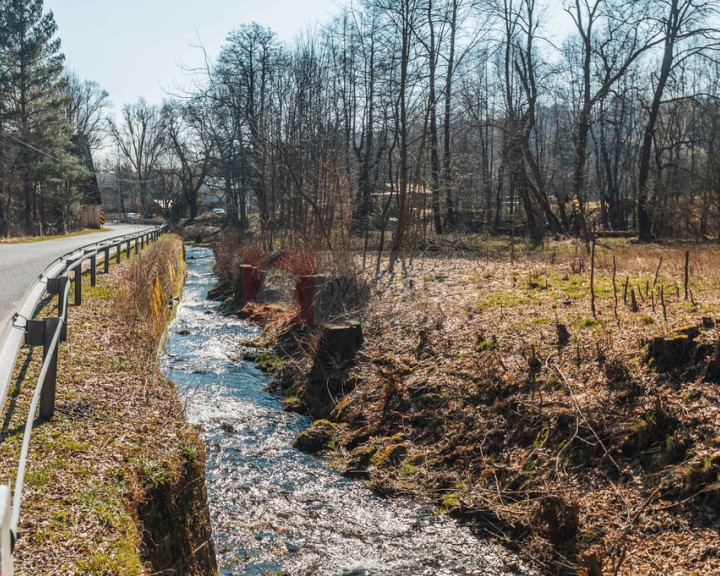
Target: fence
point(48, 333)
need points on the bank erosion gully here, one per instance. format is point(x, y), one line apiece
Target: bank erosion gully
point(56, 279)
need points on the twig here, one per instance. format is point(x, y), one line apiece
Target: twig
point(614, 282)
point(625, 290)
point(620, 561)
point(662, 302)
point(640, 293)
point(592, 280)
point(657, 272)
point(580, 413)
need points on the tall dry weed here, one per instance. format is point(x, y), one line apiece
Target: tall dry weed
point(147, 285)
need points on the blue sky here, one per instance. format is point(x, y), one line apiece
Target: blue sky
point(136, 48)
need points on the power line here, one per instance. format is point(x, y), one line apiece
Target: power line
point(31, 147)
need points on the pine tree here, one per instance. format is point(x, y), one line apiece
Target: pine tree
point(32, 84)
point(5, 156)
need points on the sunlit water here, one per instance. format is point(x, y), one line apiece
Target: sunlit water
point(274, 508)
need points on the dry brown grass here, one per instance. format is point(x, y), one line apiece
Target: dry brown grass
point(580, 451)
point(149, 282)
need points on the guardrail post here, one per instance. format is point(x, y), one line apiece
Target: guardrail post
point(118, 252)
point(137, 245)
point(93, 270)
point(6, 540)
point(78, 283)
point(128, 249)
point(142, 241)
point(59, 286)
point(106, 262)
point(41, 332)
point(47, 396)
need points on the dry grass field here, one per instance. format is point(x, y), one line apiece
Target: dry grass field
point(590, 440)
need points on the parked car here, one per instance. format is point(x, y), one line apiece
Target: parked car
point(219, 211)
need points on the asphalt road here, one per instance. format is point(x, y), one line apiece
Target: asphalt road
point(20, 264)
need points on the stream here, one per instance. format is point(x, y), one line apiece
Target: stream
point(276, 510)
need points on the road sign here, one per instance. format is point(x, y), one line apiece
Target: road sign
point(102, 218)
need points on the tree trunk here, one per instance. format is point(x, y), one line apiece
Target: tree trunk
point(398, 239)
point(645, 232)
point(432, 106)
point(451, 215)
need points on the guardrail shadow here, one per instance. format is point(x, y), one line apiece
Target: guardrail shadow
point(5, 432)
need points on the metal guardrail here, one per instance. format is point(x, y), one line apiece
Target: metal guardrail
point(49, 332)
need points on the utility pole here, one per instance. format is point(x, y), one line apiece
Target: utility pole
point(118, 185)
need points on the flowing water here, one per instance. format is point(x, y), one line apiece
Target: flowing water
point(275, 509)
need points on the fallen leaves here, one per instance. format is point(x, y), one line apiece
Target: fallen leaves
point(500, 400)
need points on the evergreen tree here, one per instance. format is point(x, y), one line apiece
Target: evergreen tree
point(33, 96)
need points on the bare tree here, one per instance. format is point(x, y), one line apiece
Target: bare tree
point(683, 21)
point(86, 106)
point(190, 148)
point(612, 36)
point(141, 143)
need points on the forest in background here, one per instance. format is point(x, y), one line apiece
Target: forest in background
point(406, 118)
